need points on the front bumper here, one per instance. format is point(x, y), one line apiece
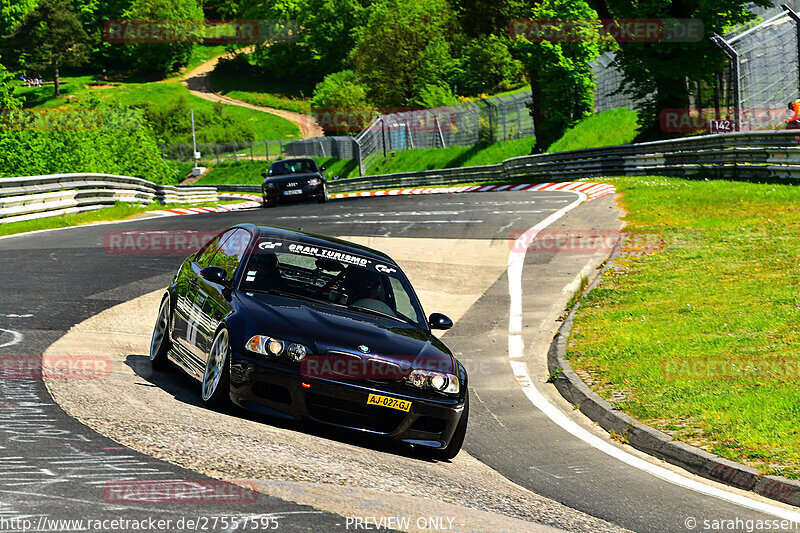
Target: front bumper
point(307, 192)
point(276, 389)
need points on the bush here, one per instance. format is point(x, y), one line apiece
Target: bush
point(172, 123)
point(119, 143)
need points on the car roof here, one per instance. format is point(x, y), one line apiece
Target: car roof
point(293, 160)
point(318, 240)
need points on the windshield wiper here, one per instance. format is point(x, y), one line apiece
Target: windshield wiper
point(374, 312)
point(276, 292)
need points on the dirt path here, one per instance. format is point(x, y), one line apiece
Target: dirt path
point(197, 81)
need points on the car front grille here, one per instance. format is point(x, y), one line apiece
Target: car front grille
point(352, 414)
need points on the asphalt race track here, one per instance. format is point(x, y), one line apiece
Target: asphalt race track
point(55, 466)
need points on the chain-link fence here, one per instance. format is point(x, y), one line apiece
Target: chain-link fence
point(495, 119)
point(752, 91)
point(764, 62)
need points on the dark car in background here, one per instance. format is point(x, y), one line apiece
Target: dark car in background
point(305, 327)
point(293, 180)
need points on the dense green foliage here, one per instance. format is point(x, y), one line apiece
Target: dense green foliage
point(110, 140)
point(12, 12)
point(160, 58)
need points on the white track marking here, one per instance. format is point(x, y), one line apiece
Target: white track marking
point(16, 338)
point(516, 260)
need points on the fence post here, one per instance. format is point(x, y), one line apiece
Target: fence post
point(280, 147)
point(728, 50)
point(266, 150)
point(439, 129)
point(251, 152)
point(357, 156)
point(796, 19)
point(491, 122)
point(383, 135)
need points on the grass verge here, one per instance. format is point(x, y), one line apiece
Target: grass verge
point(612, 127)
point(695, 329)
point(120, 211)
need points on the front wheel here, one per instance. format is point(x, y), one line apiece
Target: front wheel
point(160, 343)
point(457, 440)
point(324, 198)
point(216, 378)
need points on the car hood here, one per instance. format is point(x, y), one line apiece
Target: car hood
point(327, 328)
point(285, 178)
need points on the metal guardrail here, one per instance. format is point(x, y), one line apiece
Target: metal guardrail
point(28, 198)
point(762, 155)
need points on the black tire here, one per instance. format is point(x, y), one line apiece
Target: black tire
point(457, 440)
point(266, 203)
point(160, 342)
point(324, 198)
point(216, 384)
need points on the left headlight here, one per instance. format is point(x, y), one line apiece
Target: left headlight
point(271, 346)
point(313, 182)
point(438, 381)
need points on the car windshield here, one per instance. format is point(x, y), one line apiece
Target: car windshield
point(332, 276)
point(295, 166)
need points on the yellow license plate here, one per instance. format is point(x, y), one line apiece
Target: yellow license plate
point(385, 401)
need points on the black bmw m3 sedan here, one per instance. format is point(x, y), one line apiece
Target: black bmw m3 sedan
point(306, 327)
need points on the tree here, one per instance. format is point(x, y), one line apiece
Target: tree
point(158, 59)
point(325, 36)
point(658, 74)
point(486, 66)
point(483, 17)
point(51, 36)
point(562, 85)
point(341, 105)
point(403, 48)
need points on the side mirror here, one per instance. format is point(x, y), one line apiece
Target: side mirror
point(263, 174)
point(214, 275)
point(439, 321)
point(322, 168)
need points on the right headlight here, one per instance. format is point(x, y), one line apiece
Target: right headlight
point(271, 346)
point(437, 381)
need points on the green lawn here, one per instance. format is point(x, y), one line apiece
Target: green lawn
point(451, 157)
point(78, 92)
point(695, 331)
point(260, 91)
point(615, 126)
point(248, 173)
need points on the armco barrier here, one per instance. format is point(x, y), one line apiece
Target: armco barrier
point(762, 155)
point(32, 197)
point(769, 154)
